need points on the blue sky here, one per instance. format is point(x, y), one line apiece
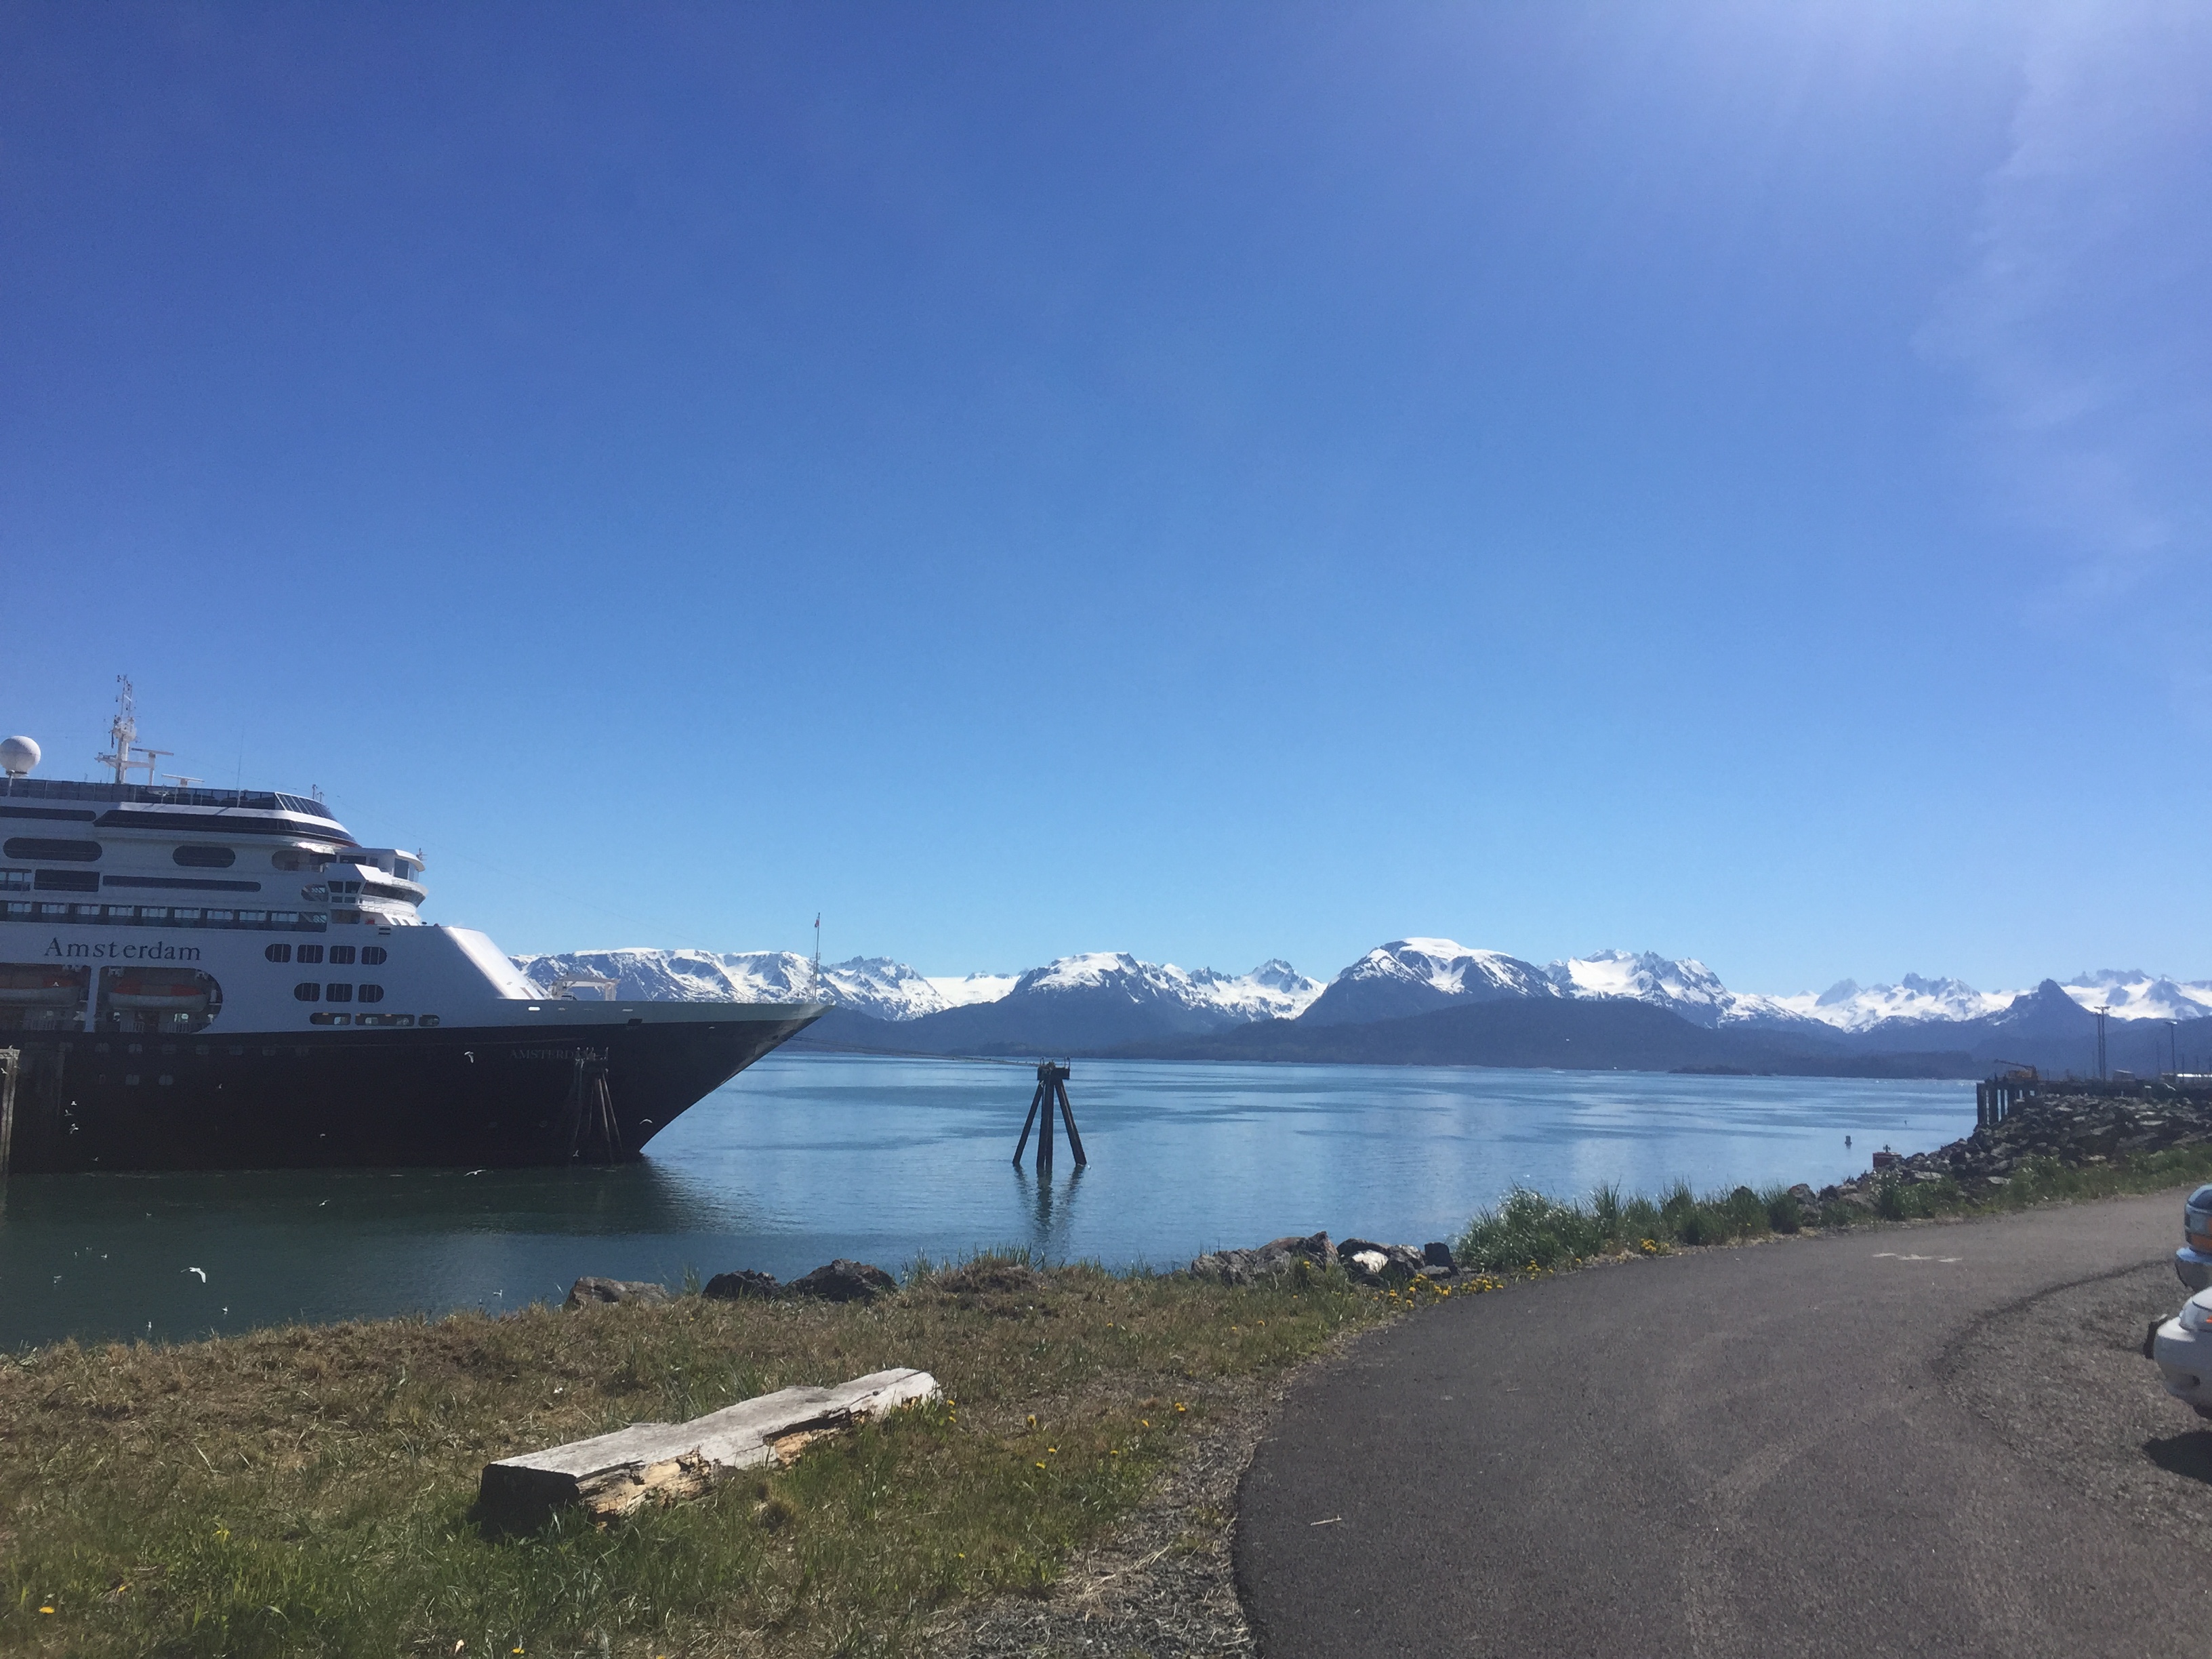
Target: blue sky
point(1215, 481)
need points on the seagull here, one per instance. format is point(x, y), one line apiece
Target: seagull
point(202, 1272)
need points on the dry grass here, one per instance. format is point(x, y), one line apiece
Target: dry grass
point(307, 1491)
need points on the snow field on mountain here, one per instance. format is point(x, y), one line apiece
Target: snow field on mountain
point(1405, 976)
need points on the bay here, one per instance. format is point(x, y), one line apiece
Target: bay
point(808, 1157)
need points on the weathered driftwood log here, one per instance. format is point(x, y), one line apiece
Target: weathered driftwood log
point(613, 1474)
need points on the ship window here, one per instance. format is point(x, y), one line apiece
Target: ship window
point(15, 881)
point(372, 955)
point(427, 1019)
point(311, 953)
point(307, 991)
point(35, 847)
point(338, 993)
point(68, 881)
point(297, 858)
point(205, 857)
point(341, 955)
point(278, 953)
point(372, 993)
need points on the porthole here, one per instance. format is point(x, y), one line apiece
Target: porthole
point(205, 857)
point(311, 953)
point(307, 991)
point(372, 955)
point(278, 953)
point(341, 955)
point(372, 993)
point(337, 992)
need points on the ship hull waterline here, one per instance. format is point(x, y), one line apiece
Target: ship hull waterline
point(501, 1096)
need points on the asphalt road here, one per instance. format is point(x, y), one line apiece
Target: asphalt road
point(1748, 1452)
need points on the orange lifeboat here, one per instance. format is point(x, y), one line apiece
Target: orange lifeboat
point(40, 988)
point(166, 994)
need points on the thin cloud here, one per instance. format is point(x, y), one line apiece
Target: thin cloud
point(2083, 324)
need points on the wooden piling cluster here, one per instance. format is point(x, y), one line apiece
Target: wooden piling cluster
point(1996, 1100)
point(1051, 1091)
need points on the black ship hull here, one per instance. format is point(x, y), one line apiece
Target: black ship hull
point(453, 1096)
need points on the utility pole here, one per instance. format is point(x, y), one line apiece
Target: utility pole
point(2100, 1011)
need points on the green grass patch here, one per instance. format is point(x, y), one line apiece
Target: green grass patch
point(1528, 1232)
point(307, 1491)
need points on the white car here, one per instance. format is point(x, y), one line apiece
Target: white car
point(2192, 1263)
point(2183, 1348)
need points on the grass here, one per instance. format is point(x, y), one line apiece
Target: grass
point(306, 1490)
point(1529, 1232)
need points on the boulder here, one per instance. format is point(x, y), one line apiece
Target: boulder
point(1366, 1262)
point(588, 1293)
point(844, 1281)
point(1278, 1255)
point(744, 1285)
point(1438, 1258)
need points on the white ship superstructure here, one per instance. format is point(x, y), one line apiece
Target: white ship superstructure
point(225, 978)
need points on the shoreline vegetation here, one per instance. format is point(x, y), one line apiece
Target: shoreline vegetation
point(308, 1490)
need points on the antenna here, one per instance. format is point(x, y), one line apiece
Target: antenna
point(818, 956)
point(122, 731)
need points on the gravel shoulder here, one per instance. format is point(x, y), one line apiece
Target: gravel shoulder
point(2061, 1379)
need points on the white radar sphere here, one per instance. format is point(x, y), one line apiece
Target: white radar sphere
point(17, 756)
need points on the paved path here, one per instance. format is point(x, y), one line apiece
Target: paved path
point(1741, 1452)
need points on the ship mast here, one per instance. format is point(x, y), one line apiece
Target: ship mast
point(123, 733)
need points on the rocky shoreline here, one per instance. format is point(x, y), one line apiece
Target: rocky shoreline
point(2073, 1127)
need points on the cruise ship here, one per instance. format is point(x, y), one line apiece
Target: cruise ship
point(225, 979)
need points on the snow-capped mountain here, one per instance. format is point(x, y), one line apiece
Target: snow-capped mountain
point(875, 986)
point(1682, 985)
point(1413, 975)
point(972, 988)
point(2131, 994)
point(1850, 1007)
point(1273, 990)
point(883, 989)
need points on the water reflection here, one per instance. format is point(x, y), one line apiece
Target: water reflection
point(1052, 1220)
point(802, 1159)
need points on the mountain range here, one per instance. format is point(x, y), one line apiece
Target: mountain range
point(1431, 997)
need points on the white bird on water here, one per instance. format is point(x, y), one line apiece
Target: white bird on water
point(202, 1272)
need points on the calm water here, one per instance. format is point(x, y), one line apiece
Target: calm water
point(805, 1158)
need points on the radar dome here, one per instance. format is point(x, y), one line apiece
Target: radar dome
point(17, 756)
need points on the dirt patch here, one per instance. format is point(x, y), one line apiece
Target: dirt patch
point(2062, 1379)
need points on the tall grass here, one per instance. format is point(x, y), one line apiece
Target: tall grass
point(1528, 1230)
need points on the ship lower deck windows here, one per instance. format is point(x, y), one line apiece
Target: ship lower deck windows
point(372, 993)
point(162, 915)
point(203, 858)
point(308, 990)
point(199, 884)
point(340, 956)
point(372, 955)
point(337, 992)
point(32, 848)
point(279, 952)
point(311, 953)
